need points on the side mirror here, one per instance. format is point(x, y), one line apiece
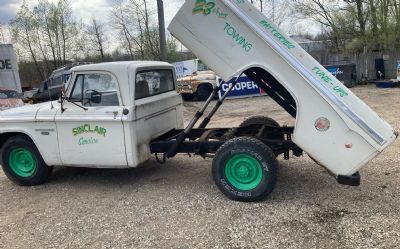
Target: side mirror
point(95, 97)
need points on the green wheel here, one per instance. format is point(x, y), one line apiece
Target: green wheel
point(22, 162)
point(245, 169)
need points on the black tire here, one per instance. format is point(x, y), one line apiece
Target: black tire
point(203, 92)
point(351, 84)
point(263, 120)
point(39, 173)
point(260, 120)
point(187, 96)
point(265, 160)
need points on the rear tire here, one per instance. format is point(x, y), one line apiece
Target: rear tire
point(260, 120)
point(245, 169)
point(22, 162)
point(263, 120)
point(203, 92)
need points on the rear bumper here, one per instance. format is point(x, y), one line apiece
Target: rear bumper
point(353, 180)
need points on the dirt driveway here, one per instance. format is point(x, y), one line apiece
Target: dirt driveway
point(177, 205)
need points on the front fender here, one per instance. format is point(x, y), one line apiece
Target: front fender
point(43, 135)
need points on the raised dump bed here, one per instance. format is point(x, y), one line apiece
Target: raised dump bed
point(333, 126)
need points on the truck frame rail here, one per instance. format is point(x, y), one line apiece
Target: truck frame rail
point(206, 141)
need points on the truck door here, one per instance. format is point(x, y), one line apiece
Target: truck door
point(92, 134)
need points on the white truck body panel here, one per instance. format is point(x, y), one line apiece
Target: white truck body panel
point(25, 120)
point(231, 36)
point(9, 74)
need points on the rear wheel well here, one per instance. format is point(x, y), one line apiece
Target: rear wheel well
point(4, 137)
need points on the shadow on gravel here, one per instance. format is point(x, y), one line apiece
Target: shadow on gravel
point(305, 180)
point(300, 179)
point(111, 176)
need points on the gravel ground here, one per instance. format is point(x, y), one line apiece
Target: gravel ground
point(177, 205)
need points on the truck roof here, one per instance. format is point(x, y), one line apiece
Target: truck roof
point(118, 65)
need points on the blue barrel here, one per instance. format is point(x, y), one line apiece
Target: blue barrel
point(385, 84)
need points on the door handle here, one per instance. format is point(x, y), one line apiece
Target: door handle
point(115, 113)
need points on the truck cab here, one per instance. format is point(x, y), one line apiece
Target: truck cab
point(107, 117)
point(121, 107)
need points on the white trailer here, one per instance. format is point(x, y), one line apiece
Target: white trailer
point(9, 74)
point(184, 68)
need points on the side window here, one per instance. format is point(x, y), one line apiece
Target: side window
point(66, 78)
point(149, 83)
point(201, 66)
point(56, 81)
point(77, 91)
point(46, 85)
point(95, 90)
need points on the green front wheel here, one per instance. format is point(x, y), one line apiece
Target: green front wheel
point(22, 162)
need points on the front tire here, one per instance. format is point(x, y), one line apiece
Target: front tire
point(245, 169)
point(203, 92)
point(22, 162)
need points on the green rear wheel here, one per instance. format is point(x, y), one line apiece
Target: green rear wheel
point(243, 172)
point(22, 162)
point(245, 169)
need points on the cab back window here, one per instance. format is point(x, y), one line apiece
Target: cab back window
point(153, 82)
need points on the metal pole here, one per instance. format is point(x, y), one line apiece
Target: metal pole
point(207, 119)
point(273, 11)
point(161, 25)
point(183, 135)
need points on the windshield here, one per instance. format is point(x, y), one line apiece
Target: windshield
point(6, 94)
point(201, 66)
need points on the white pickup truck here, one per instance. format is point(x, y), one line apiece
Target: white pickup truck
point(118, 114)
